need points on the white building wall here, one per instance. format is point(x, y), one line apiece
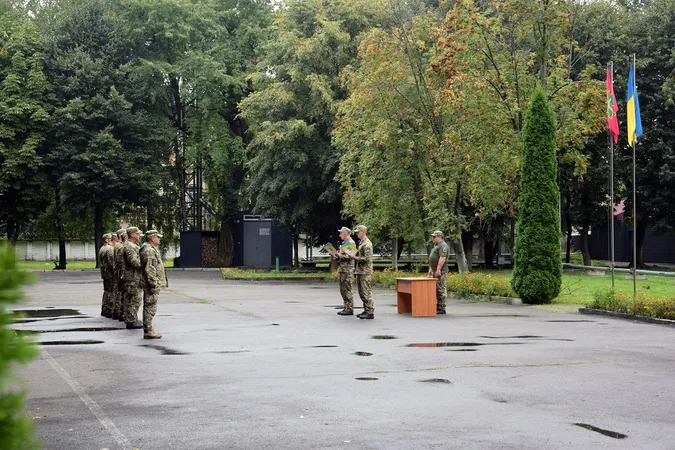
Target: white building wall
point(75, 251)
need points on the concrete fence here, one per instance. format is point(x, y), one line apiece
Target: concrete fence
point(75, 251)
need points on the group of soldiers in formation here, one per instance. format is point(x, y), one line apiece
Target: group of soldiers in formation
point(361, 265)
point(132, 272)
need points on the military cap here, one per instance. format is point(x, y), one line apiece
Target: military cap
point(437, 233)
point(121, 232)
point(132, 230)
point(345, 230)
point(361, 228)
point(107, 236)
point(152, 233)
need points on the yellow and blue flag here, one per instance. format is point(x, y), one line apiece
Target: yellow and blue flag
point(633, 109)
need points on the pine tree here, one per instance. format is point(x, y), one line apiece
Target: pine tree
point(537, 273)
point(16, 429)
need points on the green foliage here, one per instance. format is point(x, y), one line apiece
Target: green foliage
point(292, 112)
point(652, 37)
point(480, 284)
point(16, 429)
point(23, 122)
point(538, 269)
point(106, 146)
point(396, 161)
point(640, 305)
point(240, 274)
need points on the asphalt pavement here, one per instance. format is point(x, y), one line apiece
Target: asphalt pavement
point(269, 365)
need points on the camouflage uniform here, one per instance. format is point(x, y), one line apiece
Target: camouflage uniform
point(106, 265)
point(440, 250)
point(112, 285)
point(154, 277)
point(132, 281)
point(101, 251)
point(118, 252)
point(364, 274)
point(345, 275)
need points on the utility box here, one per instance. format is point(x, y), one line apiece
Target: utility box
point(198, 248)
point(259, 241)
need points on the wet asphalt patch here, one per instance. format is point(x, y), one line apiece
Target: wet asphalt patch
point(76, 330)
point(612, 434)
point(45, 313)
point(164, 350)
point(83, 342)
point(436, 380)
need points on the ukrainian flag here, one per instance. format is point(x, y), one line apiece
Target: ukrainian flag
point(633, 109)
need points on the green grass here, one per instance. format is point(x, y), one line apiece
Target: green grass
point(260, 275)
point(578, 288)
point(72, 265)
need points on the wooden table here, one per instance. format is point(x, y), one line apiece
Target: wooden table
point(416, 296)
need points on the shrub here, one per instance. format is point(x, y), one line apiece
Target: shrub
point(480, 284)
point(641, 305)
point(537, 274)
point(16, 430)
point(388, 277)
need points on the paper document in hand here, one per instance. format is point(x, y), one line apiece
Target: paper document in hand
point(330, 249)
point(348, 248)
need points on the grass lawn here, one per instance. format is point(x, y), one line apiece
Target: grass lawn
point(72, 265)
point(261, 275)
point(578, 287)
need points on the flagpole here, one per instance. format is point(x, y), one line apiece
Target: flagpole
point(611, 188)
point(634, 199)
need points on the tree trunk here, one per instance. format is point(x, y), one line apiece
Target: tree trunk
point(394, 253)
point(151, 218)
point(467, 243)
point(12, 231)
point(225, 244)
point(488, 251)
point(568, 229)
point(98, 230)
point(585, 250)
point(296, 258)
point(460, 256)
point(641, 233)
point(399, 246)
point(59, 230)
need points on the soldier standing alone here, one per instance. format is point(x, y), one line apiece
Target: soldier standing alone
point(364, 272)
point(118, 252)
point(105, 275)
point(438, 268)
point(132, 278)
point(154, 279)
point(346, 273)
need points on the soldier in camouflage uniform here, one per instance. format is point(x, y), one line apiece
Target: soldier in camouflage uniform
point(132, 278)
point(112, 285)
point(346, 274)
point(118, 252)
point(104, 265)
point(438, 268)
point(364, 272)
point(154, 279)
